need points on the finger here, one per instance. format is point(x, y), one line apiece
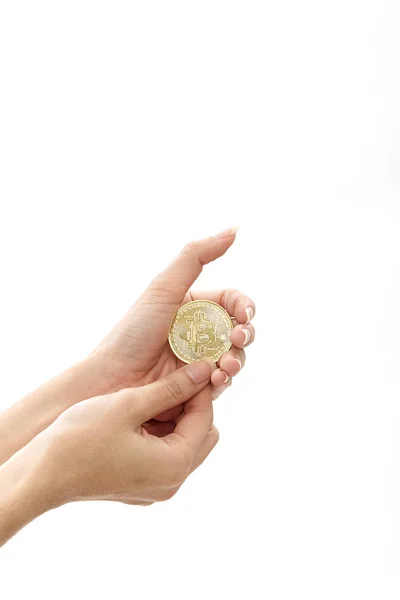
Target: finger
point(205, 449)
point(242, 335)
point(170, 286)
point(232, 361)
point(207, 446)
point(195, 421)
point(237, 304)
point(219, 378)
point(168, 392)
point(220, 383)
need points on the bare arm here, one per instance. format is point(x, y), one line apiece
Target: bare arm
point(136, 351)
point(119, 460)
point(24, 488)
point(36, 411)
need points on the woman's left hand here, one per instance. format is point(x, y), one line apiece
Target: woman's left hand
point(137, 352)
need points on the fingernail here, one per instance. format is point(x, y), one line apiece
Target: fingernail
point(238, 360)
point(250, 314)
point(201, 370)
point(247, 336)
point(227, 233)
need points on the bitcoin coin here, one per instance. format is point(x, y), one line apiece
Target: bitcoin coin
point(200, 329)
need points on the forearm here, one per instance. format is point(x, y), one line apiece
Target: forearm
point(36, 411)
point(16, 510)
point(27, 488)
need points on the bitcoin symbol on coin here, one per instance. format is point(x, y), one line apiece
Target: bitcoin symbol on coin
point(200, 333)
point(200, 329)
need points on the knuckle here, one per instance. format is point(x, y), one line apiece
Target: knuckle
point(190, 248)
point(228, 292)
point(231, 292)
point(160, 288)
point(238, 297)
point(171, 387)
point(157, 286)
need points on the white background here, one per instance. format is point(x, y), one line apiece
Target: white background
point(130, 128)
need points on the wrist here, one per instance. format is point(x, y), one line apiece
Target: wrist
point(27, 488)
point(85, 379)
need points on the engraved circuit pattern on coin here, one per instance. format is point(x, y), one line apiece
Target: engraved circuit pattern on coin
point(200, 329)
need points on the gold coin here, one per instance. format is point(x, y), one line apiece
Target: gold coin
point(200, 329)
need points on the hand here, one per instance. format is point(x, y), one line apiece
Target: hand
point(99, 449)
point(137, 352)
point(103, 450)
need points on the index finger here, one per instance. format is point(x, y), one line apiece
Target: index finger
point(195, 421)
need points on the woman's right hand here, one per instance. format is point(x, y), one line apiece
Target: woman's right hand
point(108, 447)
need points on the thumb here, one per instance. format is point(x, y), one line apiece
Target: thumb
point(168, 392)
point(173, 283)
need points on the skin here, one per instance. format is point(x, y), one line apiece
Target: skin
point(99, 450)
point(148, 422)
